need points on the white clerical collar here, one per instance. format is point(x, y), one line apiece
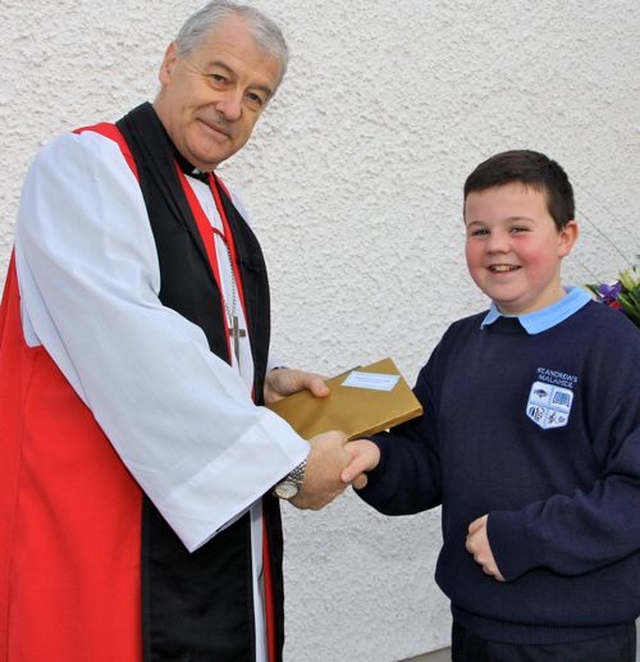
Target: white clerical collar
point(545, 318)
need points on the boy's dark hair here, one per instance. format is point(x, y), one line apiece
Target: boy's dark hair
point(532, 169)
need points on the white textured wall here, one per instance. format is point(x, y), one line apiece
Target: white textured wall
point(353, 181)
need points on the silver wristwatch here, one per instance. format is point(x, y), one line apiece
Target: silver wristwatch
point(290, 485)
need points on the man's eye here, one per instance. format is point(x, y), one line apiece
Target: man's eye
point(218, 78)
point(255, 99)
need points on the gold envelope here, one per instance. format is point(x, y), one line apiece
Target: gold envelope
point(358, 412)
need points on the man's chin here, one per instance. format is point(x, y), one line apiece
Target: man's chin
point(209, 159)
point(210, 151)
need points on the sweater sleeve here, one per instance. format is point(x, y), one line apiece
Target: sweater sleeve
point(581, 532)
point(408, 478)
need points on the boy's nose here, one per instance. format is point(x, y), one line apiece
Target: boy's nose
point(498, 242)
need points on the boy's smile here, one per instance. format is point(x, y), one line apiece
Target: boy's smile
point(514, 249)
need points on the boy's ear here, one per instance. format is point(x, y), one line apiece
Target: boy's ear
point(567, 238)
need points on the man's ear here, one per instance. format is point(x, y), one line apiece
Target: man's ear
point(168, 63)
point(567, 237)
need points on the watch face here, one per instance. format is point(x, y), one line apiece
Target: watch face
point(287, 489)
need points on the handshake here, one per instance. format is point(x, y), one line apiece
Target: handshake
point(333, 462)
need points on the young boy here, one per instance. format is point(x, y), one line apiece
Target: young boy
point(530, 440)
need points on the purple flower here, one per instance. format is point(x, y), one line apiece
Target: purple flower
point(623, 294)
point(609, 293)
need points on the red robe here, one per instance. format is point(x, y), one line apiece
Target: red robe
point(52, 524)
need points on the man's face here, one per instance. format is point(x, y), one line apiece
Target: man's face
point(514, 249)
point(211, 99)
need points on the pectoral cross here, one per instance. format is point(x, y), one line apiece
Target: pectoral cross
point(237, 333)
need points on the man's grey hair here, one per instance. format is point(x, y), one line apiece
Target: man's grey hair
point(264, 31)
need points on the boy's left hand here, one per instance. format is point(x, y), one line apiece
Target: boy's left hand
point(478, 545)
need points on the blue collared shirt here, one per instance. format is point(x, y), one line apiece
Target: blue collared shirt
point(545, 318)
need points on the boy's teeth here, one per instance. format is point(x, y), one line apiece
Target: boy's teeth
point(503, 267)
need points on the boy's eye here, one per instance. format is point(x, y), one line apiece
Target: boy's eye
point(480, 232)
point(518, 230)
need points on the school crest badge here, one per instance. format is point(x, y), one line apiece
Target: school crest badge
point(549, 406)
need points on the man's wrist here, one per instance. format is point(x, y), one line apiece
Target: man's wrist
point(290, 485)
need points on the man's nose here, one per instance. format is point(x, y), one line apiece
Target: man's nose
point(230, 105)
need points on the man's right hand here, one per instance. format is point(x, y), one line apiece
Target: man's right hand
point(325, 462)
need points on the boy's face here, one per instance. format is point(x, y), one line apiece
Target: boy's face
point(514, 249)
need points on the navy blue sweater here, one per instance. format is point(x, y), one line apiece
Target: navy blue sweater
point(543, 433)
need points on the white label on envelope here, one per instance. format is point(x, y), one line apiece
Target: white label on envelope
point(374, 381)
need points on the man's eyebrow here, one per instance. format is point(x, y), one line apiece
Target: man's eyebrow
point(221, 64)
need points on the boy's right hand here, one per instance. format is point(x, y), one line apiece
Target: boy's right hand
point(365, 457)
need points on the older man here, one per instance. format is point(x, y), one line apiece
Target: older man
point(138, 519)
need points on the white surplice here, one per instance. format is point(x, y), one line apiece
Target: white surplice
point(181, 419)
